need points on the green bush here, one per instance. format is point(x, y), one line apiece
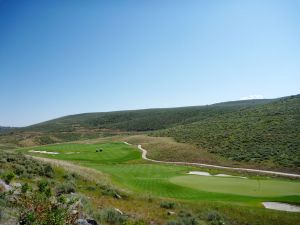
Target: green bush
point(37, 209)
point(215, 218)
point(174, 222)
point(42, 185)
point(112, 216)
point(25, 187)
point(65, 189)
point(48, 171)
point(8, 177)
point(167, 205)
point(111, 191)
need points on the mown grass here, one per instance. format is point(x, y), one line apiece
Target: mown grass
point(169, 180)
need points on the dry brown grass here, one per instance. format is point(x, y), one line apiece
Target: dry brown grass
point(167, 149)
point(88, 173)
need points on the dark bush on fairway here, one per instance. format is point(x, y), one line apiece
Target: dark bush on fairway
point(167, 205)
point(112, 216)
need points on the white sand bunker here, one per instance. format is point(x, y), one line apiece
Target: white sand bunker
point(200, 173)
point(281, 206)
point(44, 152)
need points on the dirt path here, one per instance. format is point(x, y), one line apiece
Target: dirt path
point(144, 156)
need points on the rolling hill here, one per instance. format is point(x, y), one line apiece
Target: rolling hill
point(252, 131)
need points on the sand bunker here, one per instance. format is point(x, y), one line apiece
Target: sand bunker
point(281, 206)
point(44, 152)
point(200, 173)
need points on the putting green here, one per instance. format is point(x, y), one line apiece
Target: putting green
point(238, 186)
point(126, 168)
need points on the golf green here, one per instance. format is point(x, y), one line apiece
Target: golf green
point(238, 186)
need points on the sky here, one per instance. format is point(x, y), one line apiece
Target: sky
point(66, 57)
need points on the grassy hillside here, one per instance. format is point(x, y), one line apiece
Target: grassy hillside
point(142, 120)
point(265, 132)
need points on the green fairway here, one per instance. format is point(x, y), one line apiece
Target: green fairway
point(90, 153)
point(168, 180)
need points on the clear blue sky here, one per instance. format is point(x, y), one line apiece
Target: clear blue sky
point(74, 56)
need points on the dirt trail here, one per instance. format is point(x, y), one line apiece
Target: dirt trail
point(144, 156)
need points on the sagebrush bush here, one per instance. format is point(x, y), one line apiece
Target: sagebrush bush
point(66, 188)
point(112, 216)
point(167, 205)
point(214, 218)
point(38, 209)
point(8, 177)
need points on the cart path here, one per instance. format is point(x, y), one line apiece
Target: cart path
point(144, 156)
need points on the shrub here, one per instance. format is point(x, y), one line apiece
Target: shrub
point(8, 177)
point(48, 171)
point(65, 189)
point(42, 185)
point(135, 222)
point(110, 191)
point(19, 170)
point(37, 208)
point(25, 187)
point(112, 216)
point(173, 222)
point(215, 218)
point(167, 205)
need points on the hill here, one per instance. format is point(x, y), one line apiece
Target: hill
point(268, 133)
point(142, 120)
point(5, 129)
point(252, 131)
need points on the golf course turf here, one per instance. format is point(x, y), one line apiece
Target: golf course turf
point(126, 168)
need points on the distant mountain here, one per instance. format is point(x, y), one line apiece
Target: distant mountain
point(5, 129)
